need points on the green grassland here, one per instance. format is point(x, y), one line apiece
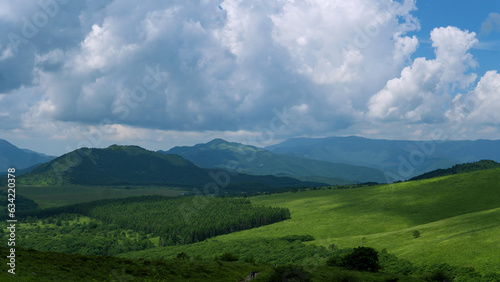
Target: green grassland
point(457, 216)
point(55, 196)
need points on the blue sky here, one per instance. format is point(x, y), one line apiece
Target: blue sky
point(165, 73)
point(468, 15)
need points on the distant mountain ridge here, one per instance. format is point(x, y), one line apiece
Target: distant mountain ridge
point(399, 158)
point(222, 154)
point(21, 159)
point(133, 165)
point(460, 168)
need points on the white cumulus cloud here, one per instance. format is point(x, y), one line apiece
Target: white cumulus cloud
point(423, 88)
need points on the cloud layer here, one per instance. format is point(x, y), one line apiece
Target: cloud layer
point(229, 67)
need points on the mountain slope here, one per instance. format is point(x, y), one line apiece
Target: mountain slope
point(133, 165)
point(404, 159)
point(457, 217)
point(12, 156)
point(249, 159)
point(460, 168)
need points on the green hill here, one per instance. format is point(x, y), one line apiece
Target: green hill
point(221, 154)
point(133, 165)
point(457, 217)
point(460, 168)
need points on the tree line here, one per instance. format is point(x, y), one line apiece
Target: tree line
point(180, 220)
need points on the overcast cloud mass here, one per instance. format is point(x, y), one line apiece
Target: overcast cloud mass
point(165, 73)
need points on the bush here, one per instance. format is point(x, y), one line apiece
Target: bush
point(335, 260)
point(493, 277)
point(438, 272)
point(228, 257)
point(416, 234)
point(392, 264)
point(249, 258)
point(182, 255)
point(333, 247)
point(289, 273)
point(362, 259)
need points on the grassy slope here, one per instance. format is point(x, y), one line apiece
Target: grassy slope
point(457, 216)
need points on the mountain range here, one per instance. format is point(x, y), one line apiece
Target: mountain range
point(331, 160)
point(133, 165)
point(400, 160)
point(232, 156)
point(20, 159)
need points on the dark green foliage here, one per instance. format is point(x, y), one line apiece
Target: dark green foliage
point(416, 234)
point(333, 247)
point(181, 220)
point(249, 258)
point(38, 266)
point(446, 272)
point(228, 257)
point(438, 275)
point(182, 255)
point(335, 260)
point(34, 265)
point(261, 250)
point(392, 264)
point(363, 259)
point(460, 168)
point(22, 203)
point(288, 273)
point(436, 272)
point(301, 238)
point(491, 277)
point(62, 233)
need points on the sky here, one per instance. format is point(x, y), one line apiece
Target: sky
point(166, 73)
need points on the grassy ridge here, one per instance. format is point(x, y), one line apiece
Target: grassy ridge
point(456, 215)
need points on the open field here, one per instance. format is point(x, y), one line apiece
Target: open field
point(458, 218)
point(55, 196)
